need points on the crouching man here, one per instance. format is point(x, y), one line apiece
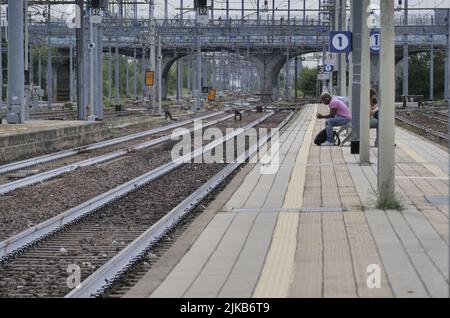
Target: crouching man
point(339, 115)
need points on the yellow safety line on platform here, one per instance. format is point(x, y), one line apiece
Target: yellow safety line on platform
point(278, 270)
point(438, 172)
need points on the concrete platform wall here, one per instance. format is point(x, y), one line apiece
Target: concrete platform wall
point(31, 144)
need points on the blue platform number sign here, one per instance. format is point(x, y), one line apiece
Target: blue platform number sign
point(328, 68)
point(375, 39)
point(340, 42)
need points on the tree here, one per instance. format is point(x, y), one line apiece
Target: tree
point(308, 81)
point(419, 75)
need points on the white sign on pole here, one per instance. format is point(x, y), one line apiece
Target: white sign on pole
point(330, 59)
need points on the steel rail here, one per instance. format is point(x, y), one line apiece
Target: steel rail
point(424, 128)
point(71, 152)
point(105, 275)
point(47, 175)
point(19, 242)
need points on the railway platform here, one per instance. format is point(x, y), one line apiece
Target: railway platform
point(311, 229)
point(43, 136)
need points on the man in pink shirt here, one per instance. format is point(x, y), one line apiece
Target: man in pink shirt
point(339, 115)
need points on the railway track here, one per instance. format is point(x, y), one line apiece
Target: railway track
point(421, 128)
point(129, 198)
point(47, 175)
point(103, 144)
point(71, 114)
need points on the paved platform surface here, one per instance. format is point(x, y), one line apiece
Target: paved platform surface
point(37, 125)
point(310, 230)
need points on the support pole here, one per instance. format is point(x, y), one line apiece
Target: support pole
point(431, 70)
point(199, 73)
point(350, 60)
point(99, 76)
point(287, 76)
point(71, 78)
point(40, 68)
point(109, 74)
point(127, 78)
point(447, 67)
point(143, 68)
point(342, 59)
point(16, 78)
point(405, 54)
point(194, 76)
point(364, 154)
point(356, 89)
point(257, 11)
point(188, 75)
point(304, 12)
point(135, 74)
point(92, 74)
point(166, 12)
point(159, 76)
point(81, 106)
point(49, 63)
point(227, 10)
point(179, 79)
point(117, 76)
point(1, 61)
point(296, 78)
point(386, 123)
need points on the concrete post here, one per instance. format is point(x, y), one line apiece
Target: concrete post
point(364, 148)
point(386, 123)
point(16, 78)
